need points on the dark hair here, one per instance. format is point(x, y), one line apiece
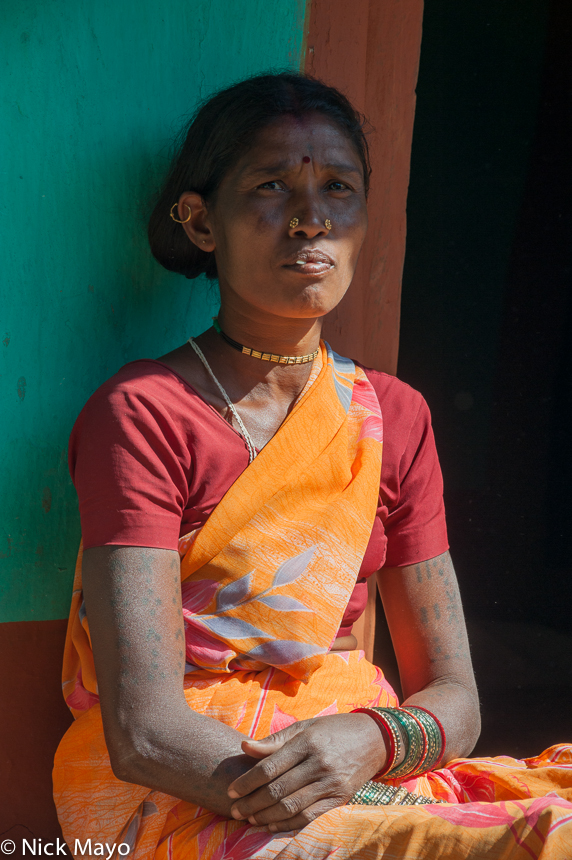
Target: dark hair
point(222, 129)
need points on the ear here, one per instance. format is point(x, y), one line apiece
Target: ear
point(197, 227)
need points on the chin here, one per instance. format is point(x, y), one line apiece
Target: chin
point(316, 301)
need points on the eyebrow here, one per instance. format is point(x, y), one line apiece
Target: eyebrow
point(285, 166)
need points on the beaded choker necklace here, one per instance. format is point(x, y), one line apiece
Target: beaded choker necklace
point(265, 356)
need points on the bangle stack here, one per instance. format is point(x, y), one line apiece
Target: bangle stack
point(420, 735)
point(378, 794)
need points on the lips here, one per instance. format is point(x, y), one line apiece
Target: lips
point(310, 261)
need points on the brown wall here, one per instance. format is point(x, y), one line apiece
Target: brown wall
point(34, 718)
point(370, 49)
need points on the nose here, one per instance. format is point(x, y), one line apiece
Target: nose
point(307, 220)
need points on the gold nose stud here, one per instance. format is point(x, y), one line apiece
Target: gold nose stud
point(328, 224)
point(294, 222)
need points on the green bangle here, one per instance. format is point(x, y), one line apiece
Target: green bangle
point(417, 746)
point(434, 739)
point(390, 716)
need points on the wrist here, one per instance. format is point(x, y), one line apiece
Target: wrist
point(386, 750)
point(415, 740)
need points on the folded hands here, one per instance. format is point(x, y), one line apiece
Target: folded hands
point(306, 769)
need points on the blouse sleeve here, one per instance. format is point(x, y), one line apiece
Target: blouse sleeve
point(411, 493)
point(129, 462)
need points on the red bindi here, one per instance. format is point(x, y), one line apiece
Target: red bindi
point(306, 159)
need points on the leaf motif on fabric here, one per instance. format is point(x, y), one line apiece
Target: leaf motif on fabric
point(81, 699)
point(281, 720)
point(476, 787)
point(282, 652)
point(283, 604)
point(234, 593)
point(241, 714)
point(292, 568)
point(371, 428)
point(475, 814)
point(330, 710)
point(233, 628)
point(196, 594)
point(241, 843)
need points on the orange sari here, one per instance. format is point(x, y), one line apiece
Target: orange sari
point(265, 584)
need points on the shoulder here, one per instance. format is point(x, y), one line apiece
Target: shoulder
point(144, 406)
point(144, 377)
point(142, 387)
point(400, 404)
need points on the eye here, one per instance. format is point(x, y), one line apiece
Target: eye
point(272, 185)
point(337, 186)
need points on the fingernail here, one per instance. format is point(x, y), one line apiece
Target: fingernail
point(253, 820)
point(272, 828)
point(232, 793)
point(236, 814)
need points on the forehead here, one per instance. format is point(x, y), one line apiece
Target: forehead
point(288, 139)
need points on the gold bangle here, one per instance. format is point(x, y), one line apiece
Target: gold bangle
point(378, 794)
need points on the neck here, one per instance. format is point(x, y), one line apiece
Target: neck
point(288, 337)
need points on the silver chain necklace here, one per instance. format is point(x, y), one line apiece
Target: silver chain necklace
point(245, 434)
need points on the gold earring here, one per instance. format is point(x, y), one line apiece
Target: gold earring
point(328, 224)
point(294, 222)
point(176, 219)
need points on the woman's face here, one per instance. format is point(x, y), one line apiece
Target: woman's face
point(305, 169)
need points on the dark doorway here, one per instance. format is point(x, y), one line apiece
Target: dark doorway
point(486, 336)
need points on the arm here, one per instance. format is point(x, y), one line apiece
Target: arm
point(315, 763)
point(425, 617)
point(133, 604)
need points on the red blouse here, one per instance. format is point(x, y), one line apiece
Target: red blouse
point(150, 459)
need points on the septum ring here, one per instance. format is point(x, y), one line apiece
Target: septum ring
point(188, 218)
point(295, 221)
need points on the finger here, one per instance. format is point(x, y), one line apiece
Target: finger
point(289, 805)
point(302, 819)
point(261, 748)
point(283, 787)
point(287, 751)
point(276, 740)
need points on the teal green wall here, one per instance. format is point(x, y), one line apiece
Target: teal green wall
point(91, 96)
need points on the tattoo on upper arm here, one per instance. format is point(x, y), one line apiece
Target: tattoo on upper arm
point(447, 611)
point(120, 605)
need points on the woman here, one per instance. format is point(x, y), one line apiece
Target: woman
point(233, 504)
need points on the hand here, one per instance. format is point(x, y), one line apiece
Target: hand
point(307, 769)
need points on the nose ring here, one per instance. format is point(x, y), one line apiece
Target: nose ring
point(295, 221)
